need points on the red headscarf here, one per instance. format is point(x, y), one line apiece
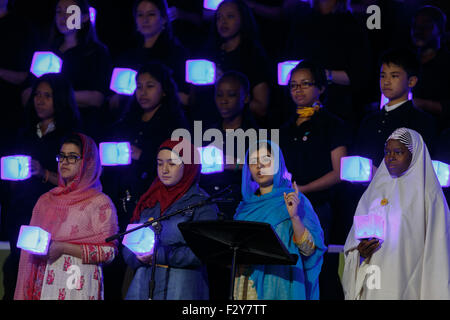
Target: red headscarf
point(166, 196)
point(77, 213)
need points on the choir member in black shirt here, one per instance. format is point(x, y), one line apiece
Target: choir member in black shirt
point(431, 93)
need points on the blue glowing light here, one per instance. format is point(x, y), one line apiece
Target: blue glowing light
point(284, 71)
point(92, 14)
point(212, 159)
point(45, 62)
point(34, 240)
point(442, 172)
point(200, 72)
point(369, 226)
point(15, 167)
point(123, 81)
point(115, 153)
point(211, 4)
point(140, 241)
point(356, 169)
point(385, 100)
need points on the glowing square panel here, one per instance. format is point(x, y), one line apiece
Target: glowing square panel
point(200, 72)
point(369, 226)
point(284, 71)
point(115, 153)
point(211, 4)
point(212, 159)
point(34, 240)
point(45, 62)
point(123, 81)
point(442, 172)
point(140, 241)
point(15, 167)
point(356, 169)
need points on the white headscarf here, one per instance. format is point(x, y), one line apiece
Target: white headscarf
point(413, 261)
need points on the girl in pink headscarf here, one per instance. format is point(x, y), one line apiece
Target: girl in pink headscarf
point(79, 218)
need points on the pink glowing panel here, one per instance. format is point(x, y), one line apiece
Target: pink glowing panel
point(385, 100)
point(34, 240)
point(45, 62)
point(211, 4)
point(284, 71)
point(123, 81)
point(200, 72)
point(212, 159)
point(15, 168)
point(115, 153)
point(369, 226)
point(141, 241)
point(356, 169)
point(442, 172)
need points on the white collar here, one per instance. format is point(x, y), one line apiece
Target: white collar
point(51, 127)
point(395, 106)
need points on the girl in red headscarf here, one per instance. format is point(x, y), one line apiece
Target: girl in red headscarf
point(179, 273)
point(79, 218)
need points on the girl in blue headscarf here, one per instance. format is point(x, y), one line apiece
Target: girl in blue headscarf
point(268, 196)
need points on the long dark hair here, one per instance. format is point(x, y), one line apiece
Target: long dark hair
point(170, 100)
point(249, 30)
point(67, 116)
point(86, 35)
point(163, 9)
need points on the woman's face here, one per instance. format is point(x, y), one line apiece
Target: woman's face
point(397, 158)
point(149, 92)
point(261, 165)
point(170, 167)
point(61, 16)
point(230, 99)
point(228, 21)
point(303, 89)
point(43, 101)
point(149, 20)
point(70, 162)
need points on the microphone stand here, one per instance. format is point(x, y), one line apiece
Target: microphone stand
point(156, 226)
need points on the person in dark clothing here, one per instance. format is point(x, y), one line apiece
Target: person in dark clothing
point(431, 92)
point(232, 95)
point(154, 42)
point(314, 141)
point(329, 34)
point(86, 63)
point(51, 113)
point(234, 45)
point(150, 118)
point(399, 74)
point(15, 59)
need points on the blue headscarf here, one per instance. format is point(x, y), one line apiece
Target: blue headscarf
point(295, 282)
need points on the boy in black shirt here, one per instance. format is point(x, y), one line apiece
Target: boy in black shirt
point(398, 75)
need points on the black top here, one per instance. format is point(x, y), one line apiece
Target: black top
point(337, 42)
point(215, 182)
point(379, 125)
point(167, 51)
point(15, 55)
point(307, 149)
point(434, 84)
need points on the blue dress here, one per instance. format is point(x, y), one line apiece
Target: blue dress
point(186, 277)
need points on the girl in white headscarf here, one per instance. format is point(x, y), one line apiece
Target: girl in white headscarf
point(413, 261)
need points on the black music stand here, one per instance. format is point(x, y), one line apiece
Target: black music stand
point(245, 242)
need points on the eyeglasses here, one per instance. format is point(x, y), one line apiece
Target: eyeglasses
point(303, 85)
point(71, 159)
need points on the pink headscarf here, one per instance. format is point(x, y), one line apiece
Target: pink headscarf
point(68, 213)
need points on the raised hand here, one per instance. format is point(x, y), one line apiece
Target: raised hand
point(292, 201)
